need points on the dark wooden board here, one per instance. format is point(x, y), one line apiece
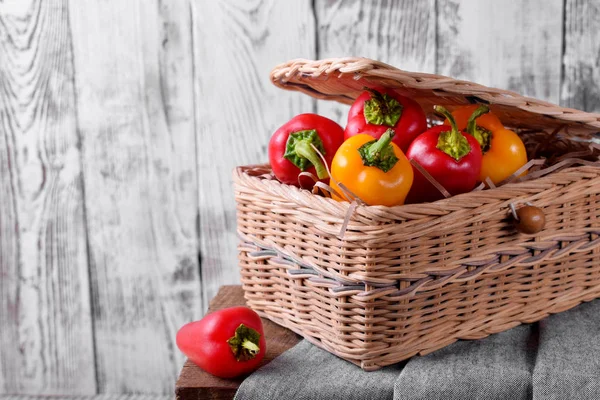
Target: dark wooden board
point(194, 383)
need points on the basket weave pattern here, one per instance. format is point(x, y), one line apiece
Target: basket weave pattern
point(351, 75)
point(412, 279)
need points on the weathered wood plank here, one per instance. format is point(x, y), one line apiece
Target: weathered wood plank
point(46, 331)
point(581, 81)
point(133, 78)
point(400, 33)
point(514, 45)
point(95, 397)
point(236, 44)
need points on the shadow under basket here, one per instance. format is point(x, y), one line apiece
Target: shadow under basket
point(407, 280)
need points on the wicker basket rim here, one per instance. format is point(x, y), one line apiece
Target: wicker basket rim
point(511, 192)
point(343, 79)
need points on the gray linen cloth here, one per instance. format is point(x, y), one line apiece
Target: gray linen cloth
point(556, 358)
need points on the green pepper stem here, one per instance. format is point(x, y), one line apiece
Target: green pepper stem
point(482, 135)
point(452, 142)
point(374, 150)
point(245, 343)
point(443, 111)
point(304, 149)
point(382, 109)
point(379, 153)
point(250, 346)
point(471, 124)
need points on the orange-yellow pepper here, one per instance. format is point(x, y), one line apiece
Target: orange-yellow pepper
point(503, 150)
point(376, 171)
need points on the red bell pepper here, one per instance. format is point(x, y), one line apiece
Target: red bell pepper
point(451, 157)
point(226, 343)
point(503, 150)
point(375, 111)
point(290, 150)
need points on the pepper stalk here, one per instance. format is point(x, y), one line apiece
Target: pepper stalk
point(483, 136)
point(244, 344)
point(452, 142)
point(379, 153)
point(298, 151)
point(382, 109)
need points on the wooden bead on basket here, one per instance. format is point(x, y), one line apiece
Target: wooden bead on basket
point(530, 219)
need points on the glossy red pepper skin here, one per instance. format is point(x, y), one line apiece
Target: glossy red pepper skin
point(455, 176)
point(412, 121)
point(503, 150)
point(205, 342)
point(330, 134)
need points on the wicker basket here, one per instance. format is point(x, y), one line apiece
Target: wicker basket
point(412, 279)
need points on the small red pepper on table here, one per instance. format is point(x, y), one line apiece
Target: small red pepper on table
point(291, 151)
point(226, 343)
point(375, 111)
point(451, 157)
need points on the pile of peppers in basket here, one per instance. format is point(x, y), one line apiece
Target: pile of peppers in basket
point(386, 155)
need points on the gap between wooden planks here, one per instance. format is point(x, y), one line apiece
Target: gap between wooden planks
point(194, 383)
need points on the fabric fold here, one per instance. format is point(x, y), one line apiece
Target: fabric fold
point(556, 358)
point(568, 362)
point(497, 367)
point(306, 372)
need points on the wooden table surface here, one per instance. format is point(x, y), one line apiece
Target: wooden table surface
point(194, 383)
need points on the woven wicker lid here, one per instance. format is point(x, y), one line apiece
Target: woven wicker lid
point(344, 79)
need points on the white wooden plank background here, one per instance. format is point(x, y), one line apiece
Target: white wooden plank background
point(236, 44)
point(514, 45)
point(121, 122)
point(95, 397)
point(400, 33)
point(135, 107)
point(46, 328)
point(581, 81)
